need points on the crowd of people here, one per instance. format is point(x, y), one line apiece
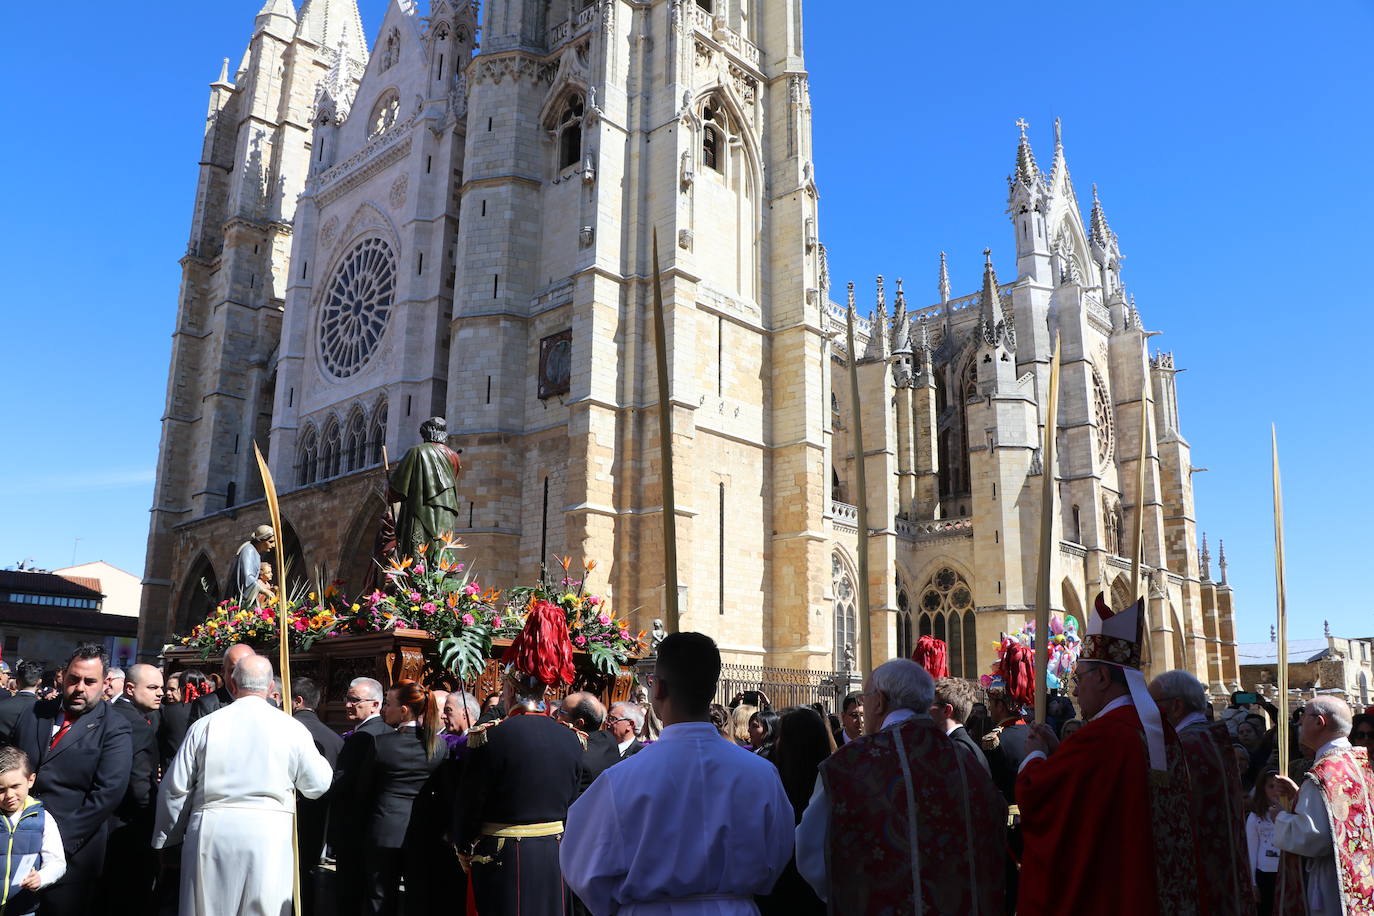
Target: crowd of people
point(129, 791)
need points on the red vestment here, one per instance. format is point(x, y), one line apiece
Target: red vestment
point(1100, 835)
point(1347, 786)
point(1218, 808)
point(909, 786)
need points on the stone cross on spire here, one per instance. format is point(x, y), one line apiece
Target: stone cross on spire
point(1021, 123)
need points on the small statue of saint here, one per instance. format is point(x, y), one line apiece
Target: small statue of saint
point(657, 635)
point(425, 485)
point(244, 584)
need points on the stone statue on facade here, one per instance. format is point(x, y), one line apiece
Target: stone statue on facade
point(657, 635)
point(425, 487)
point(243, 583)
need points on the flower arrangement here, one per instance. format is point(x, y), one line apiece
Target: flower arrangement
point(437, 593)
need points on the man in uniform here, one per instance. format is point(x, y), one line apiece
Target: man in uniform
point(522, 774)
point(1218, 800)
point(425, 484)
point(1332, 826)
point(1133, 768)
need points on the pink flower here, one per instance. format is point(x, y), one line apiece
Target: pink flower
point(415, 597)
point(459, 567)
point(468, 620)
point(603, 620)
point(300, 626)
point(497, 622)
point(419, 569)
point(428, 607)
point(594, 600)
point(579, 641)
point(624, 634)
point(472, 588)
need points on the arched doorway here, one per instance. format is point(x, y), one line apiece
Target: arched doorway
point(356, 563)
point(199, 596)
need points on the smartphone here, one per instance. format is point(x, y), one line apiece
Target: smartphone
point(1244, 699)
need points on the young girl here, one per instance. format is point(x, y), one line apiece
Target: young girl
point(1259, 831)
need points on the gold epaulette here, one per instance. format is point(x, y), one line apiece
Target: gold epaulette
point(477, 735)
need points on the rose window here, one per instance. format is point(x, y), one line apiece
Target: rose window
point(1102, 415)
point(356, 307)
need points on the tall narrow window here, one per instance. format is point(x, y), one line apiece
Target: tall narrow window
point(905, 642)
point(845, 618)
point(570, 133)
point(355, 441)
point(710, 148)
point(715, 134)
point(309, 454)
point(330, 450)
point(376, 437)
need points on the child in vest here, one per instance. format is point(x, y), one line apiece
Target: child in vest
point(32, 847)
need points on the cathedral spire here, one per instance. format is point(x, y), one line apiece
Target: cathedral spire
point(1027, 172)
point(1059, 168)
point(1099, 233)
point(944, 279)
point(1205, 559)
point(223, 81)
point(995, 325)
point(1221, 561)
point(901, 323)
point(878, 329)
point(277, 10)
point(925, 358)
point(334, 24)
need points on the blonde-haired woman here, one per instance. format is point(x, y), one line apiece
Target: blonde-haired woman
point(739, 723)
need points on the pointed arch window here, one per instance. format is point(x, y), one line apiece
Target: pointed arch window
point(953, 435)
point(307, 457)
point(570, 132)
point(906, 643)
point(947, 608)
point(715, 135)
point(376, 437)
point(355, 441)
point(845, 616)
point(330, 450)
point(391, 50)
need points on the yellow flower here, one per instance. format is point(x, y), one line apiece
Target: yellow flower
point(312, 596)
point(355, 607)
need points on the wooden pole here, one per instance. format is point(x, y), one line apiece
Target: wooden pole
point(862, 623)
point(1281, 596)
point(1047, 546)
point(284, 658)
point(665, 450)
point(1138, 555)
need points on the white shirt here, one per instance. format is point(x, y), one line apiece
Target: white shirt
point(690, 824)
point(625, 745)
point(1307, 832)
point(54, 858)
point(1259, 838)
point(813, 832)
point(1114, 704)
point(1188, 721)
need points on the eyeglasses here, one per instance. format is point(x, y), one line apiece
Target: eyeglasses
point(354, 701)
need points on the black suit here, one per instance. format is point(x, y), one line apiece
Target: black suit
point(172, 721)
point(130, 862)
point(634, 748)
point(963, 741)
point(347, 812)
point(11, 708)
point(207, 704)
point(602, 753)
point(402, 824)
point(1004, 761)
point(312, 813)
point(81, 782)
point(526, 771)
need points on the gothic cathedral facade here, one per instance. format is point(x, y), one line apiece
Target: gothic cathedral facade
point(460, 221)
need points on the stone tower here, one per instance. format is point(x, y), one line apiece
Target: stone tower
point(253, 164)
point(591, 126)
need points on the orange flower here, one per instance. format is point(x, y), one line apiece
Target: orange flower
point(565, 562)
point(588, 564)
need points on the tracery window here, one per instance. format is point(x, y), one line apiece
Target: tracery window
point(308, 455)
point(376, 438)
point(355, 441)
point(845, 617)
point(357, 306)
point(947, 613)
point(384, 113)
point(330, 450)
point(570, 132)
point(1102, 415)
point(952, 444)
point(1115, 524)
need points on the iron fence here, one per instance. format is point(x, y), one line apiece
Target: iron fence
point(785, 686)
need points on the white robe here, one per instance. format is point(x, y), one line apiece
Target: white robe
point(229, 790)
point(692, 824)
point(1306, 831)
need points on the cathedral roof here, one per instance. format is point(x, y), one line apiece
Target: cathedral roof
point(331, 23)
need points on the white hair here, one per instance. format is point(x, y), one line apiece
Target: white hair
point(370, 686)
point(470, 704)
point(253, 674)
point(1336, 711)
point(115, 673)
point(907, 685)
point(630, 711)
point(1181, 685)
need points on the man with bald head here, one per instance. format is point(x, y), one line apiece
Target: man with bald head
point(1329, 827)
point(229, 792)
point(130, 863)
point(223, 696)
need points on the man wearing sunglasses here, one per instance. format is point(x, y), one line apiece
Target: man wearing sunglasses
point(362, 705)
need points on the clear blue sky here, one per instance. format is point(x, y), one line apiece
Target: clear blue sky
point(1230, 142)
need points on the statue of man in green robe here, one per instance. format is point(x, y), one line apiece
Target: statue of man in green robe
point(425, 484)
